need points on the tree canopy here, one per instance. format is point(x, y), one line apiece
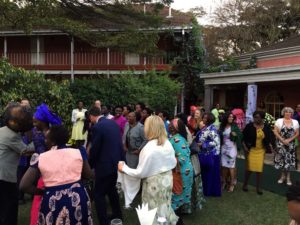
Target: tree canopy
point(242, 26)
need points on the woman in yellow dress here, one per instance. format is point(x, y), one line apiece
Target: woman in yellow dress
point(78, 117)
point(257, 139)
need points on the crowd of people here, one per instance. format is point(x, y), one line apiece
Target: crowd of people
point(156, 153)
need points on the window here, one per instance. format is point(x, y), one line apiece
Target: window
point(274, 104)
point(132, 59)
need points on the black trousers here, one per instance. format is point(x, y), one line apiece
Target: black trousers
point(8, 203)
point(106, 186)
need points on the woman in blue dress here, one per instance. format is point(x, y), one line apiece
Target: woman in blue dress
point(209, 142)
point(64, 198)
point(182, 153)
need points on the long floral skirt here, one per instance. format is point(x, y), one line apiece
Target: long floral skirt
point(157, 192)
point(67, 204)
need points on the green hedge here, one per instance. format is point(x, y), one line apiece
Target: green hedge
point(17, 83)
point(157, 91)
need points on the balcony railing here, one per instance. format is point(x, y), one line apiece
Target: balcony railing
point(80, 58)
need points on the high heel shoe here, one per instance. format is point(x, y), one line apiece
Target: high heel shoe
point(245, 189)
point(281, 180)
point(259, 192)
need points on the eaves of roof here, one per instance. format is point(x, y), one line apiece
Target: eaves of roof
point(58, 32)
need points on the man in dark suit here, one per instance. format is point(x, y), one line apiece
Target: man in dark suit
point(106, 152)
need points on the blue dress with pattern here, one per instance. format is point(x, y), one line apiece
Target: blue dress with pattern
point(182, 153)
point(65, 204)
point(209, 157)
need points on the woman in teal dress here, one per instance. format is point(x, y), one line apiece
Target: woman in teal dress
point(182, 153)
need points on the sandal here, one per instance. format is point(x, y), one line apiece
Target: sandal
point(259, 192)
point(231, 188)
point(281, 180)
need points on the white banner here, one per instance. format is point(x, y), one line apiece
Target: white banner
point(251, 104)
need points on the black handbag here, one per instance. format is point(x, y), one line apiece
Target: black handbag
point(196, 164)
point(194, 147)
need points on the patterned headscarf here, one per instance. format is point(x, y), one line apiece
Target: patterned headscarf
point(45, 115)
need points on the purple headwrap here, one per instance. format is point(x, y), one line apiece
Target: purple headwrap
point(45, 115)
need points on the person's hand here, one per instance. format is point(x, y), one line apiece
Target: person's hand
point(120, 166)
point(136, 152)
point(285, 141)
point(233, 133)
point(29, 135)
point(199, 144)
point(272, 149)
point(77, 119)
point(246, 150)
point(28, 153)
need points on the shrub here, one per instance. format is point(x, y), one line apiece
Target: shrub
point(17, 83)
point(156, 90)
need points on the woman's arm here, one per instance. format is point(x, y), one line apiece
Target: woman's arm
point(214, 139)
point(29, 180)
point(73, 118)
point(142, 135)
point(86, 171)
point(293, 137)
point(278, 136)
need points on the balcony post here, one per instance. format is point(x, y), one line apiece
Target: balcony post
point(38, 50)
point(72, 59)
point(5, 47)
point(108, 61)
point(208, 97)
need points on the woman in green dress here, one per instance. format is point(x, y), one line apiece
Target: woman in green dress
point(182, 154)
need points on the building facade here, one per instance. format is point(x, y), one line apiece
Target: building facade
point(276, 78)
point(55, 53)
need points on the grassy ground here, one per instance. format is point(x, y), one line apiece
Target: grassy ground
point(238, 208)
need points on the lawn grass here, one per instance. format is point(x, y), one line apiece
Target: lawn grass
point(237, 208)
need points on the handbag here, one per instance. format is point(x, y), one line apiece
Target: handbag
point(196, 164)
point(194, 147)
point(177, 180)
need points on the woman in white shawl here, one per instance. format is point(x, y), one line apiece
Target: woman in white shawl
point(156, 161)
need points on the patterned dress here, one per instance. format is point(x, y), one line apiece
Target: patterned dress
point(65, 201)
point(209, 157)
point(38, 139)
point(285, 157)
point(182, 153)
point(229, 150)
point(157, 192)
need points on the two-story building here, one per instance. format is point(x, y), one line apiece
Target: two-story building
point(276, 79)
point(56, 53)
